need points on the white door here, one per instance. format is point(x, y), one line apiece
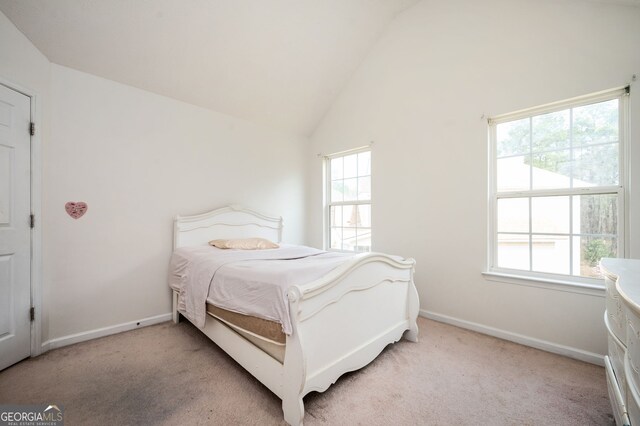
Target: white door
point(15, 229)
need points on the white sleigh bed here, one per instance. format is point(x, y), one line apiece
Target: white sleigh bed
point(340, 322)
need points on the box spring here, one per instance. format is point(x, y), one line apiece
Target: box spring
point(265, 334)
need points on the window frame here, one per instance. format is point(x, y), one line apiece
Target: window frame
point(328, 203)
point(620, 190)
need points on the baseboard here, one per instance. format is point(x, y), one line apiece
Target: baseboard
point(101, 332)
point(544, 345)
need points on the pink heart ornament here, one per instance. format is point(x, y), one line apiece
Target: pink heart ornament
point(76, 209)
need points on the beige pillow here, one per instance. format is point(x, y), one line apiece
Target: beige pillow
point(244, 244)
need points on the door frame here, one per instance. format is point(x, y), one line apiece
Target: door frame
point(36, 210)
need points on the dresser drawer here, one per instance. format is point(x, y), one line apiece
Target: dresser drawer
point(616, 357)
point(615, 396)
point(632, 357)
point(615, 315)
point(632, 401)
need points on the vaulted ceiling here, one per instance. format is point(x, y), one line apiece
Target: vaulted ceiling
point(279, 63)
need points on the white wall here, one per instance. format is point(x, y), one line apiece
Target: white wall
point(139, 159)
point(21, 64)
point(420, 95)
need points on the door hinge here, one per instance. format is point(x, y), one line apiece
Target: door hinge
point(32, 128)
point(32, 313)
point(32, 221)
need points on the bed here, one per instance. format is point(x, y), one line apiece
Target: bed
point(338, 322)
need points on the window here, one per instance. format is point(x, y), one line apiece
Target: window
point(557, 188)
point(348, 207)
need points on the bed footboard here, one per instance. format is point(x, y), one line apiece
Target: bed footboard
point(343, 321)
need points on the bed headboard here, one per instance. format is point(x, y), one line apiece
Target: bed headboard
point(228, 222)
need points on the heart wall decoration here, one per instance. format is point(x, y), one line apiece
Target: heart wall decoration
point(76, 209)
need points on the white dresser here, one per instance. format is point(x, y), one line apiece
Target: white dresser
point(622, 318)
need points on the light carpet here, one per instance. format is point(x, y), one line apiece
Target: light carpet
point(173, 375)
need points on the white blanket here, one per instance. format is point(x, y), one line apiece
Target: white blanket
point(250, 282)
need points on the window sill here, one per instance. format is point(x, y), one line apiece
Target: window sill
point(549, 284)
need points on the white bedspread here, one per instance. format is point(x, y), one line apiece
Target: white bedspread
point(251, 282)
